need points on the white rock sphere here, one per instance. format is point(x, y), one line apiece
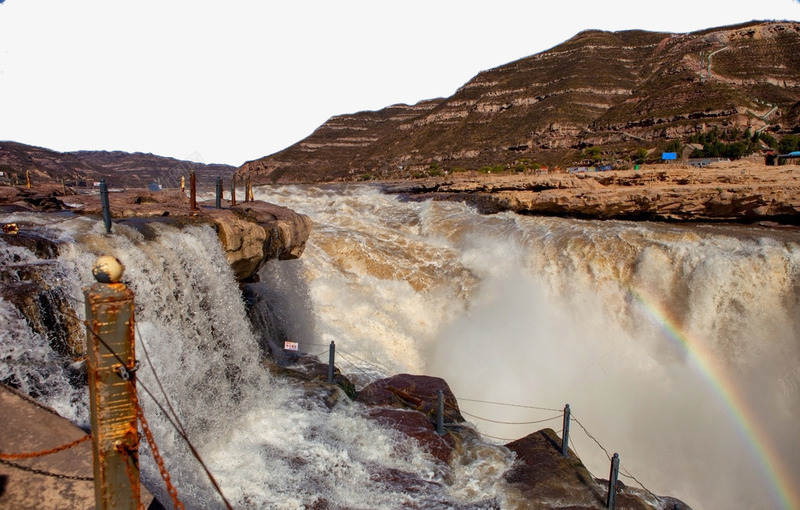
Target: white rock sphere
point(107, 269)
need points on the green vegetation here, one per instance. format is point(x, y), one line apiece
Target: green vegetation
point(674, 146)
point(492, 169)
point(789, 143)
point(735, 144)
point(435, 170)
point(594, 154)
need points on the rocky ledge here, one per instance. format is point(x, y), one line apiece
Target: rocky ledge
point(728, 192)
point(251, 233)
point(539, 476)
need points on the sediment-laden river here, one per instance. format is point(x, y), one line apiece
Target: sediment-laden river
point(677, 346)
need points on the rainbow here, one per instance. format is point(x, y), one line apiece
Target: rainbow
point(785, 491)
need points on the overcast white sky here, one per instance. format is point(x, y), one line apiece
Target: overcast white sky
point(226, 82)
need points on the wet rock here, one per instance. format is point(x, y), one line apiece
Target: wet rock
point(308, 368)
point(417, 425)
point(40, 246)
point(418, 392)
point(43, 198)
point(35, 290)
point(256, 232)
point(548, 480)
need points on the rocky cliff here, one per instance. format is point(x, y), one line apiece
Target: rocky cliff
point(623, 91)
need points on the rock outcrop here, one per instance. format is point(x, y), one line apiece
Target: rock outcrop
point(730, 192)
point(251, 233)
point(540, 476)
point(622, 91)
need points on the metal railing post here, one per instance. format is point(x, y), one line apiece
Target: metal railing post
point(565, 433)
point(331, 359)
point(612, 482)
point(219, 193)
point(192, 191)
point(233, 189)
point(440, 413)
point(110, 338)
point(105, 205)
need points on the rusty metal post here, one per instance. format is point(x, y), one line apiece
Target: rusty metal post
point(110, 338)
point(247, 189)
point(233, 189)
point(192, 191)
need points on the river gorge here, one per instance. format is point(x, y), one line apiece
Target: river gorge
point(675, 345)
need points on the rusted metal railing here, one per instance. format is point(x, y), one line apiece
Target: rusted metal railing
point(111, 361)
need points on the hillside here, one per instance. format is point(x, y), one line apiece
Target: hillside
point(120, 169)
point(623, 91)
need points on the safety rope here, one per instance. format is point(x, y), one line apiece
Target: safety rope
point(511, 405)
point(498, 438)
point(512, 422)
point(46, 473)
point(344, 357)
point(406, 398)
point(171, 418)
point(177, 425)
point(625, 473)
point(573, 418)
point(154, 449)
point(12, 456)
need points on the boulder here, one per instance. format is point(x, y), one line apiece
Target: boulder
point(255, 232)
point(418, 392)
point(548, 480)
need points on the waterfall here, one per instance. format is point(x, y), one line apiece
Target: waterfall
point(268, 443)
point(676, 345)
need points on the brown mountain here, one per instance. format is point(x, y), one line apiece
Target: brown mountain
point(119, 169)
point(622, 91)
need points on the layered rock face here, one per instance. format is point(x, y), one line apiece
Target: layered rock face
point(728, 192)
point(622, 90)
